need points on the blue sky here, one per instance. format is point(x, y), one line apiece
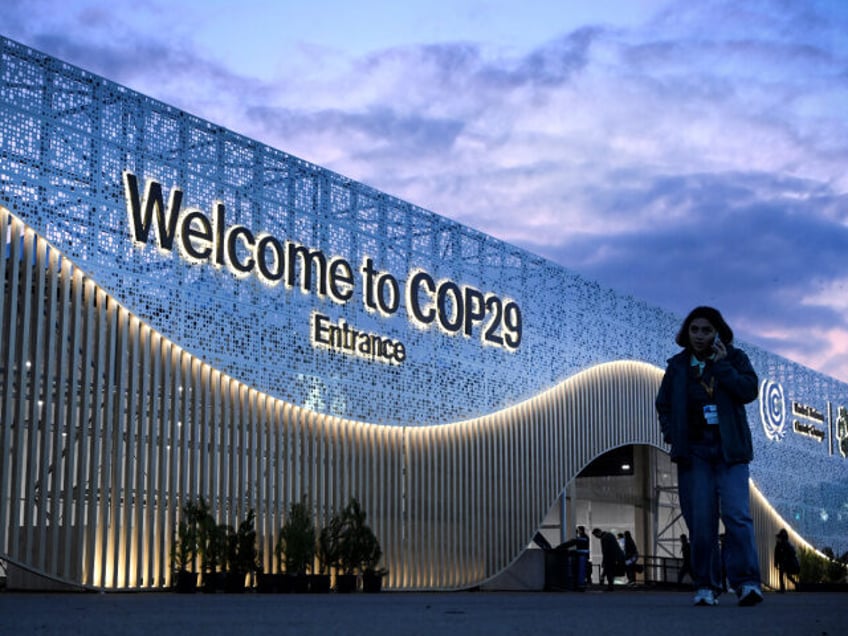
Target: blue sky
point(683, 152)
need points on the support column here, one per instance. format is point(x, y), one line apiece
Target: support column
point(568, 511)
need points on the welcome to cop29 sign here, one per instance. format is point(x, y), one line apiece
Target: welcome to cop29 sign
point(206, 239)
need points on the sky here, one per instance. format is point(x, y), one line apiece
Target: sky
point(683, 152)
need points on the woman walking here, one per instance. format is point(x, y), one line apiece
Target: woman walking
point(701, 408)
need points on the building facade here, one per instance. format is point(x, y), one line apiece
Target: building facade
point(187, 312)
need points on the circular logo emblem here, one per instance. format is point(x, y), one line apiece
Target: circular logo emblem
point(773, 410)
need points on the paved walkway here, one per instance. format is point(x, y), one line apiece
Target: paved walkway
point(623, 612)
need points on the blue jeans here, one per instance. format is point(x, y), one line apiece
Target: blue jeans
point(708, 488)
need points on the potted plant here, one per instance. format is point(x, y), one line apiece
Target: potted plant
point(212, 541)
point(353, 546)
point(296, 545)
point(242, 556)
point(266, 582)
point(325, 552)
point(184, 549)
point(330, 547)
point(812, 568)
point(835, 570)
point(372, 575)
point(821, 572)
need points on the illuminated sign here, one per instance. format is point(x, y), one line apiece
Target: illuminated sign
point(346, 339)
point(807, 411)
point(808, 430)
point(200, 239)
point(805, 428)
point(773, 410)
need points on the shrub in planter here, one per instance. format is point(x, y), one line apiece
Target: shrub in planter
point(329, 549)
point(213, 542)
point(185, 548)
point(295, 547)
point(319, 582)
point(183, 554)
point(834, 571)
point(352, 547)
point(226, 555)
point(812, 566)
point(242, 555)
point(372, 575)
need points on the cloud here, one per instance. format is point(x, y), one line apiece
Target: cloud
point(696, 158)
point(752, 244)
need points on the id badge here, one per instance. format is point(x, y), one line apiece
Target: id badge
point(711, 414)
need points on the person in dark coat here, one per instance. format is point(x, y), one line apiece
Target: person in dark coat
point(631, 556)
point(612, 557)
point(785, 559)
point(701, 408)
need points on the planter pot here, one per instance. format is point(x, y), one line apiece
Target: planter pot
point(299, 583)
point(214, 582)
point(346, 583)
point(234, 582)
point(284, 583)
point(185, 582)
point(267, 583)
point(319, 583)
point(372, 583)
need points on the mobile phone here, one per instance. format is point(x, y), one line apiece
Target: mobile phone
point(716, 341)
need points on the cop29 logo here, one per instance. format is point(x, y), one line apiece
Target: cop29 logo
point(773, 410)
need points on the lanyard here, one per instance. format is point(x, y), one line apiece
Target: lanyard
point(701, 365)
point(709, 389)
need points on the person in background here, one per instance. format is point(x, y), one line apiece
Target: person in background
point(612, 558)
point(785, 559)
point(686, 555)
point(631, 556)
point(701, 409)
point(580, 543)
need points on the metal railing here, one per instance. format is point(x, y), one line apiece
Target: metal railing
point(656, 571)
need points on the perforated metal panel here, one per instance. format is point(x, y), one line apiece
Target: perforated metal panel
point(67, 138)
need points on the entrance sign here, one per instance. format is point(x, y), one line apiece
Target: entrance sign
point(209, 240)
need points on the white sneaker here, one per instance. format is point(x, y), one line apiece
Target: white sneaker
point(750, 595)
point(705, 596)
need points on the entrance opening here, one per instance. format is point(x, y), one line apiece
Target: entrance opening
point(630, 488)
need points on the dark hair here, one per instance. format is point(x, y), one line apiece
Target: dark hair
point(713, 316)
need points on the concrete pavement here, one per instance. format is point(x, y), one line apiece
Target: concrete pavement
point(594, 613)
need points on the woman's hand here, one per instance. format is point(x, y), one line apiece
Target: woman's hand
point(719, 350)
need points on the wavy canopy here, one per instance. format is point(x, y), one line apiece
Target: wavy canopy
point(108, 428)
